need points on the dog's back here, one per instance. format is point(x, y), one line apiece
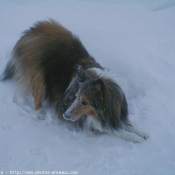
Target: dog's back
point(44, 61)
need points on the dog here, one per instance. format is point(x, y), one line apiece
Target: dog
point(52, 64)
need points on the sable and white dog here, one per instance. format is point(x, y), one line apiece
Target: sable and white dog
point(52, 64)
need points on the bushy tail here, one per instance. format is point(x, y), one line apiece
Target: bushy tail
point(8, 72)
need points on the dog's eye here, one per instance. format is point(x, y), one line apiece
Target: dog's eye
point(84, 103)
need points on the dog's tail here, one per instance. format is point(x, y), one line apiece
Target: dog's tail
point(8, 72)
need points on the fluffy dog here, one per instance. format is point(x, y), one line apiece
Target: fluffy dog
point(53, 65)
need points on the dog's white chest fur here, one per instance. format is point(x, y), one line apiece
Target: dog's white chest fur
point(92, 123)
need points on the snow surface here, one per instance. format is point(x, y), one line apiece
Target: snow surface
point(136, 41)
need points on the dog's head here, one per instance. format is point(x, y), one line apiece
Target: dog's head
point(88, 96)
point(97, 96)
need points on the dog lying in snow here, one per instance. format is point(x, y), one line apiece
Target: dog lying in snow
point(52, 64)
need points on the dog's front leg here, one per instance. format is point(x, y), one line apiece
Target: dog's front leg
point(139, 133)
point(121, 133)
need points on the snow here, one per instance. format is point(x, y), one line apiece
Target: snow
point(135, 40)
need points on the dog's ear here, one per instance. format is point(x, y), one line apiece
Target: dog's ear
point(98, 85)
point(98, 92)
point(80, 73)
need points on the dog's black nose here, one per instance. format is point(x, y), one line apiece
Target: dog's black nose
point(66, 116)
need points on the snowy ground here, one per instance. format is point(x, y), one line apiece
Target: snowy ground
point(135, 40)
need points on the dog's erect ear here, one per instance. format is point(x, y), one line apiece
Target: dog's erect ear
point(80, 72)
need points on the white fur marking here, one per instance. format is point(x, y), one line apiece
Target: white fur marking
point(70, 84)
point(40, 114)
point(129, 136)
point(139, 133)
point(95, 124)
point(104, 73)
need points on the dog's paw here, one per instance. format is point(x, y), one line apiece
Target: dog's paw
point(133, 137)
point(144, 135)
point(137, 139)
point(40, 114)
